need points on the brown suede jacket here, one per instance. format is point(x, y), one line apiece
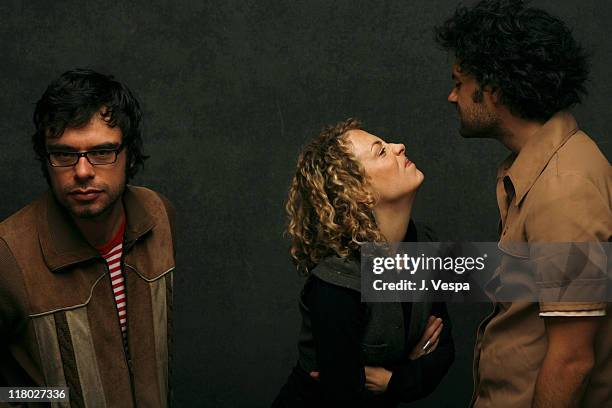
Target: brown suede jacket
point(58, 319)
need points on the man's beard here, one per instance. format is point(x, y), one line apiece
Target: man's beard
point(103, 205)
point(477, 123)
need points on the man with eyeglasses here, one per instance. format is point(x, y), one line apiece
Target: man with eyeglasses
point(86, 270)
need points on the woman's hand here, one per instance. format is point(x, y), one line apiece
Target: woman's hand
point(377, 378)
point(430, 339)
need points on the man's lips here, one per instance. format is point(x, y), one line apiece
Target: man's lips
point(408, 163)
point(88, 194)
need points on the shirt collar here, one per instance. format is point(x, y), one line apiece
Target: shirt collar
point(524, 168)
point(62, 243)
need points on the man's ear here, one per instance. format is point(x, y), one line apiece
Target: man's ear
point(131, 160)
point(494, 94)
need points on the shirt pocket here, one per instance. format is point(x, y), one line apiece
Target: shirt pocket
point(375, 354)
point(515, 277)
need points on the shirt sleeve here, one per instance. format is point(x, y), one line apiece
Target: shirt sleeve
point(415, 379)
point(564, 228)
point(586, 313)
point(337, 325)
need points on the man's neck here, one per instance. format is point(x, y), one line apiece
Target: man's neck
point(393, 218)
point(517, 131)
point(101, 229)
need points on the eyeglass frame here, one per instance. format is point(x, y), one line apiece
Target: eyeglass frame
point(78, 155)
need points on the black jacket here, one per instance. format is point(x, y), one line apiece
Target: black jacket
point(340, 335)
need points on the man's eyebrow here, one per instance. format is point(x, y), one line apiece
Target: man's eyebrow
point(107, 145)
point(57, 147)
point(378, 142)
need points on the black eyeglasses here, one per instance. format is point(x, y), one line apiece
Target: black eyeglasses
point(98, 157)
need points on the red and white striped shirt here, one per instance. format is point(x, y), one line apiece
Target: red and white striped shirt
point(112, 252)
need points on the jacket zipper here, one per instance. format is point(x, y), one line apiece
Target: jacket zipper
point(125, 266)
point(128, 361)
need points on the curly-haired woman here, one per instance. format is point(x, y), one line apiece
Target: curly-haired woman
point(352, 187)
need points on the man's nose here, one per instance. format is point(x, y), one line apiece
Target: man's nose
point(452, 96)
point(83, 169)
point(399, 148)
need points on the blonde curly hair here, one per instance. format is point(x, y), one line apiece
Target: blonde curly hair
point(329, 207)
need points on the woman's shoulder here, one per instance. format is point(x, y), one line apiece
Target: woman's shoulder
point(332, 287)
point(343, 272)
point(419, 231)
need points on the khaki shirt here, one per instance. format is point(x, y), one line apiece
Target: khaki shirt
point(557, 189)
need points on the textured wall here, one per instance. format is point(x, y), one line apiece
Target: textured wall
point(231, 90)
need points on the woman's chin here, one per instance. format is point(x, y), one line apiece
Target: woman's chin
point(416, 181)
point(421, 177)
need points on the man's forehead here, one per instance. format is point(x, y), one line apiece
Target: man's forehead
point(86, 136)
point(461, 74)
point(457, 69)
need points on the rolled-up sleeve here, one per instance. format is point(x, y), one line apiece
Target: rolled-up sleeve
point(568, 229)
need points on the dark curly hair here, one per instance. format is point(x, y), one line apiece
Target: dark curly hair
point(71, 100)
point(527, 54)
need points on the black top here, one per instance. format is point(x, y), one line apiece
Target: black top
point(338, 319)
point(337, 325)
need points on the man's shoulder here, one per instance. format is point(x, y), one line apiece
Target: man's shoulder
point(151, 202)
point(580, 155)
point(142, 193)
point(579, 166)
point(148, 197)
point(23, 222)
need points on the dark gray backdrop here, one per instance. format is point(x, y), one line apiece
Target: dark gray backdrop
point(231, 90)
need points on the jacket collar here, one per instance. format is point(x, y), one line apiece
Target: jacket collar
point(63, 244)
point(524, 169)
